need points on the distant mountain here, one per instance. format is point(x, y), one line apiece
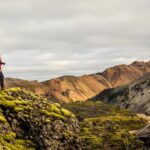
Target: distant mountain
point(134, 96)
point(72, 88)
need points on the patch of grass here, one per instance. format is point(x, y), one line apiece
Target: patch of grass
point(67, 113)
point(52, 114)
point(17, 109)
point(10, 136)
point(7, 104)
point(3, 119)
point(54, 108)
point(106, 127)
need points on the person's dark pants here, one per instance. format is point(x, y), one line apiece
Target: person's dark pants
point(1, 80)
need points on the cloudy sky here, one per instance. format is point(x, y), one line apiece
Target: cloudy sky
point(43, 39)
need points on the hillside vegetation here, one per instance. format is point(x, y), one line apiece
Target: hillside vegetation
point(31, 122)
point(106, 127)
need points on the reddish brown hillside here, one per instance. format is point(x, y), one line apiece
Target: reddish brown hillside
point(124, 74)
point(72, 88)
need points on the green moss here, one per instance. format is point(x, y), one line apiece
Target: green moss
point(25, 144)
point(1, 148)
point(21, 142)
point(93, 140)
point(17, 109)
point(20, 102)
point(85, 131)
point(3, 119)
point(16, 89)
point(9, 104)
point(44, 112)
point(28, 108)
point(8, 97)
point(47, 120)
point(57, 105)
point(57, 116)
point(54, 108)
point(67, 113)
point(10, 136)
point(52, 114)
point(67, 134)
point(26, 116)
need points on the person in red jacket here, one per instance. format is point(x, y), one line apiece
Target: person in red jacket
point(1, 75)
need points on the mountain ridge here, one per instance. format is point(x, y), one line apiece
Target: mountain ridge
point(73, 88)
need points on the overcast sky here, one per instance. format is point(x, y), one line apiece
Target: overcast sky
point(43, 39)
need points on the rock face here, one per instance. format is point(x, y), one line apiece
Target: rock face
point(134, 96)
point(72, 88)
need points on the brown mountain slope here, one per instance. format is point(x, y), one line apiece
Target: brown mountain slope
point(124, 74)
point(72, 88)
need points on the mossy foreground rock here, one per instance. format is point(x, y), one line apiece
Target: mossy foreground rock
point(29, 122)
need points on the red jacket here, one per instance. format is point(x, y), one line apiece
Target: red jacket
point(1, 63)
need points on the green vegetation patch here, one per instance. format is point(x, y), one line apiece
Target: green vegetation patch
point(52, 114)
point(3, 119)
point(67, 113)
point(106, 127)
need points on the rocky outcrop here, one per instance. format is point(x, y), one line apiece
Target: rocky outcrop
point(72, 88)
point(29, 121)
point(134, 96)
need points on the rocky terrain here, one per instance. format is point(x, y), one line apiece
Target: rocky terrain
point(31, 122)
point(28, 121)
point(72, 88)
point(134, 96)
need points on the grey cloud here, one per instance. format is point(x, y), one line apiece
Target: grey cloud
point(44, 39)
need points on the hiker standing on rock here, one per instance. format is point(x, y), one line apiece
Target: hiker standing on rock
point(1, 75)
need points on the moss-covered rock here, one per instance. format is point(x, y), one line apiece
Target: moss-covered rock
point(32, 122)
